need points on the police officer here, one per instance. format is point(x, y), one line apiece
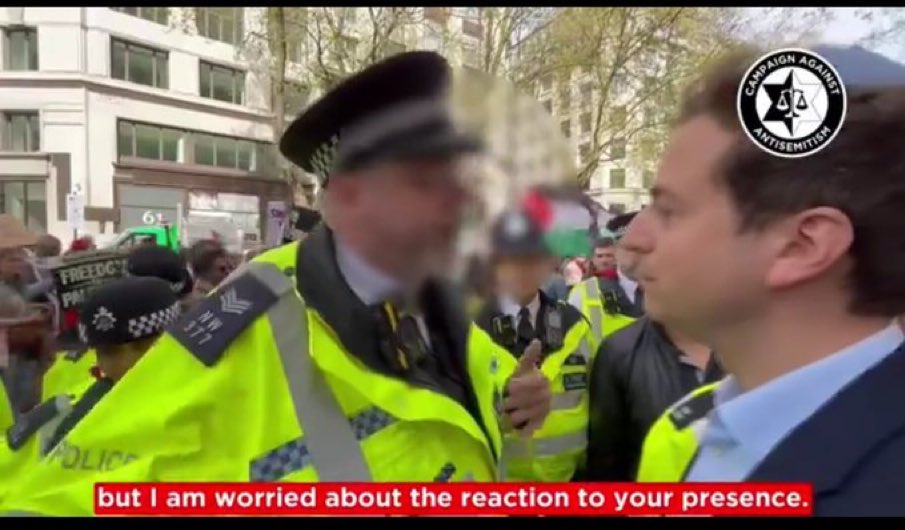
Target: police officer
point(522, 313)
point(340, 358)
point(604, 301)
point(119, 320)
point(72, 368)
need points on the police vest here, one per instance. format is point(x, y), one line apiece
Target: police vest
point(266, 392)
point(557, 449)
point(602, 310)
point(672, 442)
point(30, 437)
point(6, 408)
point(70, 371)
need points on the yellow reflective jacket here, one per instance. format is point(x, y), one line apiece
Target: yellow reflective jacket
point(30, 436)
point(70, 371)
point(599, 308)
point(671, 443)
point(6, 409)
point(255, 384)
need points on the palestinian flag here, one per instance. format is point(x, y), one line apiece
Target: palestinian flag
point(566, 219)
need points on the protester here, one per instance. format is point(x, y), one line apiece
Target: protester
point(210, 265)
point(790, 269)
point(14, 240)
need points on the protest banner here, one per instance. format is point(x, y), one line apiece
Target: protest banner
point(76, 276)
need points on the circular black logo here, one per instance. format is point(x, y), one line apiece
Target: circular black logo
point(791, 103)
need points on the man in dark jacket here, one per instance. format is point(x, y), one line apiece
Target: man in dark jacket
point(638, 372)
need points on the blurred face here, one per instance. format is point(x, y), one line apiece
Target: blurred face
point(627, 260)
point(220, 270)
point(13, 264)
point(604, 258)
point(407, 214)
point(698, 270)
point(521, 278)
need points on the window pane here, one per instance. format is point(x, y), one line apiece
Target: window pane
point(19, 135)
point(204, 149)
point(21, 57)
point(201, 20)
point(246, 150)
point(34, 129)
point(226, 152)
point(163, 70)
point(227, 30)
point(213, 25)
point(36, 207)
point(147, 142)
point(205, 80)
point(124, 139)
point(14, 199)
point(222, 82)
point(32, 49)
point(172, 140)
point(239, 91)
point(140, 65)
point(118, 63)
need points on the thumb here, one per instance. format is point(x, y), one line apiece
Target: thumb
point(530, 358)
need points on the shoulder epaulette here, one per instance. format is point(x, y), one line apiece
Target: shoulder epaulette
point(692, 409)
point(210, 327)
point(31, 422)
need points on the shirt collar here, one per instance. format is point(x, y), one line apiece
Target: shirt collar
point(628, 285)
point(368, 283)
point(508, 306)
point(761, 418)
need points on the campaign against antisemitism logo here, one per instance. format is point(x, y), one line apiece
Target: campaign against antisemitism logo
point(791, 103)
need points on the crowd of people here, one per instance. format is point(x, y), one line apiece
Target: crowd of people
point(741, 328)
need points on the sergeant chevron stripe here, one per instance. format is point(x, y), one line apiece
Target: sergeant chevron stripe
point(231, 303)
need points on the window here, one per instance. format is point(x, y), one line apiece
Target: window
point(220, 23)
point(647, 179)
point(295, 97)
point(222, 83)
point(566, 127)
point(619, 117)
point(584, 153)
point(294, 48)
point(436, 14)
point(26, 201)
point(161, 15)
point(617, 178)
point(21, 132)
point(617, 149)
point(585, 123)
point(393, 48)
point(151, 142)
point(139, 64)
point(226, 152)
point(20, 48)
point(565, 97)
point(587, 93)
point(546, 83)
point(548, 106)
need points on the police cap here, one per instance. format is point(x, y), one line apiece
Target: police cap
point(126, 310)
point(393, 110)
point(517, 234)
point(160, 262)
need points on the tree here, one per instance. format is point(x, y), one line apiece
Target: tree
point(887, 27)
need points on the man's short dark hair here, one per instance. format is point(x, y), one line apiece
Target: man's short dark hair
point(204, 254)
point(861, 173)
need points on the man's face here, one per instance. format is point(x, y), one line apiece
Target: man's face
point(698, 270)
point(220, 269)
point(604, 257)
point(412, 211)
point(522, 277)
point(13, 264)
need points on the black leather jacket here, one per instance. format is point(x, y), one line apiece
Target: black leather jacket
point(637, 374)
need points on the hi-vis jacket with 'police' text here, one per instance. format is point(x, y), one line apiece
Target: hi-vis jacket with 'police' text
point(253, 385)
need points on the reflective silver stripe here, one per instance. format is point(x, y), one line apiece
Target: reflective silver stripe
point(566, 400)
point(592, 290)
point(329, 436)
point(520, 448)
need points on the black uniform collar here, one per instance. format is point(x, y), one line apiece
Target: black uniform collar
point(491, 311)
point(325, 290)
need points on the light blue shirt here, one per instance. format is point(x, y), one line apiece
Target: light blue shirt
point(369, 284)
point(743, 428)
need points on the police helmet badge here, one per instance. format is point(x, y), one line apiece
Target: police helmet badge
point(103, 319)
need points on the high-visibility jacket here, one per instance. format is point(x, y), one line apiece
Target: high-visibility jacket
point(70, 371)
point(6, 409)
point(558, 448)
point(600, 310)
point(28, 439)
point(672, 441)
point(265, 391)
